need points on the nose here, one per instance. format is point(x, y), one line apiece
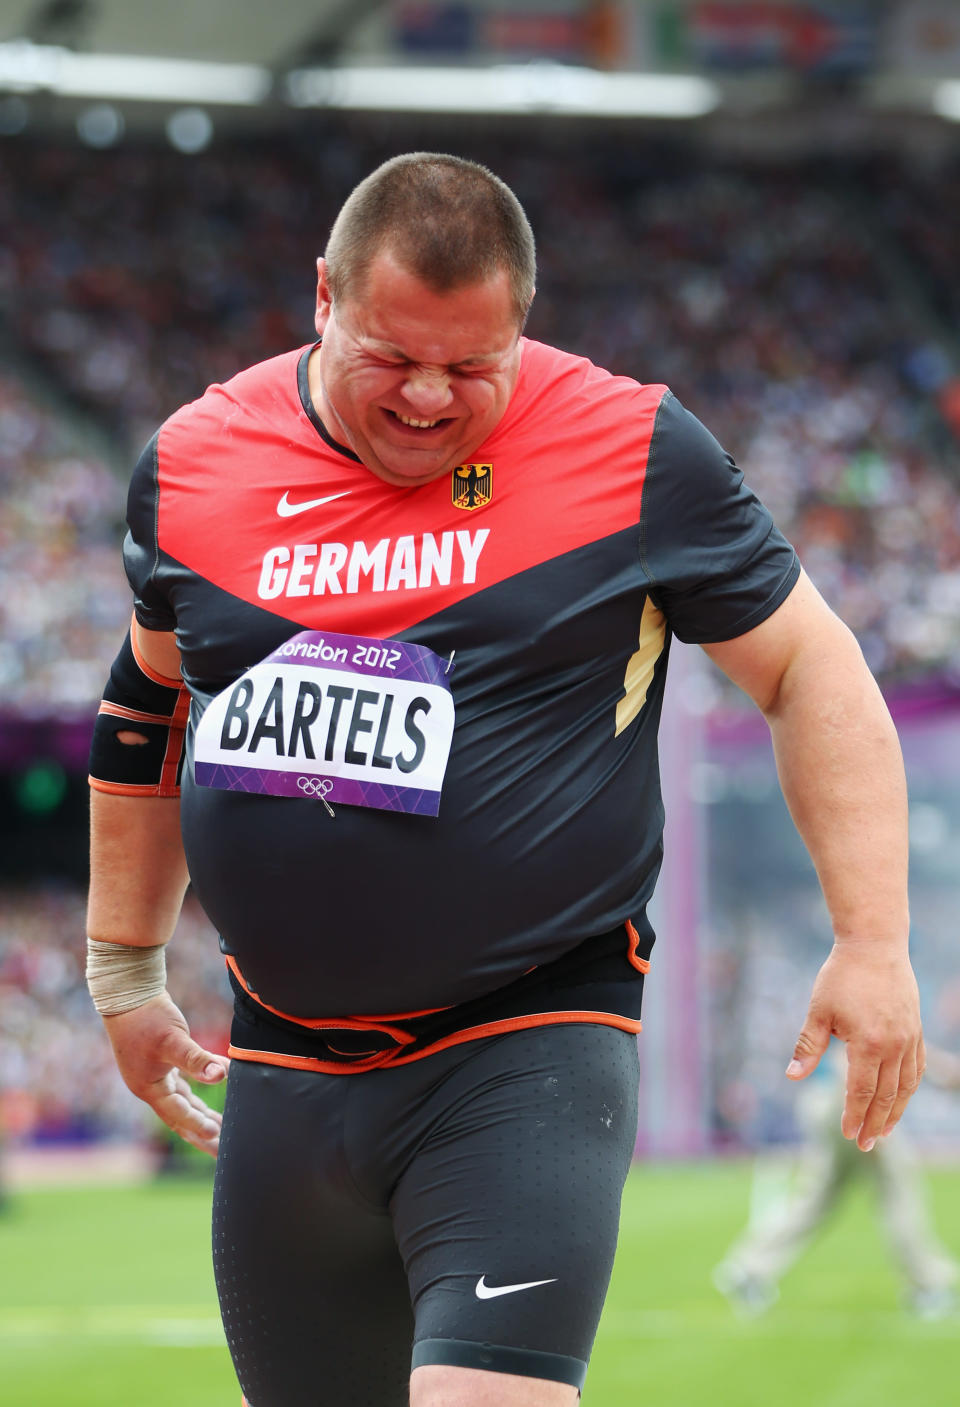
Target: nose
point(427, 391)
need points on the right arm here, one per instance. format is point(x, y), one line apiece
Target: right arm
point(138, 877)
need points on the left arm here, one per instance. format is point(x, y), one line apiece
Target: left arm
point(840, 767)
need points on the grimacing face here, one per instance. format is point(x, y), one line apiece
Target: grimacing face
point(412, 380)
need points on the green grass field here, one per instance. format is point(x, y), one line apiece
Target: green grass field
point(107, 1300)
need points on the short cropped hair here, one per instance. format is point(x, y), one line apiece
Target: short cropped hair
point(449, 221)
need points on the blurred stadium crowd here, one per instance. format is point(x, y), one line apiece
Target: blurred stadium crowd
point(58, 1080)
point(61, 602)
point(807, 314)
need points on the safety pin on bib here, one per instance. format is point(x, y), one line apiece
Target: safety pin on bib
point(317, 787)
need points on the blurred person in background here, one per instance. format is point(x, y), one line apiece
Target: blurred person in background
point(781, 1228)
point(426, 556)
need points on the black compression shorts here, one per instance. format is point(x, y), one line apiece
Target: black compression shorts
point(462, 1210)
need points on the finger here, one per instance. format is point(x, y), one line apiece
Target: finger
point(911, 1073)
point(203, 1135)
point(188, 1119)
point(191, 1106)
point(905, 1091)
point(201, 1065)
point(209, 1144)
point(204, 1143)
point(811, 1043)
point(186, 1114)
point(876, 1110)
point(862, 1074)
point(216, 1069)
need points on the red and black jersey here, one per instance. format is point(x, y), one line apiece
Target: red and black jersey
point(597, 519)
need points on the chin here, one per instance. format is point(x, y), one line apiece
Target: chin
point(415, 477)
point(405, 472)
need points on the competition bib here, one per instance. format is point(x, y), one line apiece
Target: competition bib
point(337, 718)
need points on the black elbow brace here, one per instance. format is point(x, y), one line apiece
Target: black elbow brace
point(139, 700)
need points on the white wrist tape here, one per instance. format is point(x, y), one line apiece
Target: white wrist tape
point(121, 977)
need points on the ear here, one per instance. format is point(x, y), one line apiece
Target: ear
point(324, 301)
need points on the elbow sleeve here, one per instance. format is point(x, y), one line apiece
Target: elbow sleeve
point(139, 700)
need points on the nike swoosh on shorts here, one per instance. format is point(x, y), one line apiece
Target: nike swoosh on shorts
point(286, 509)
point(489, 1292)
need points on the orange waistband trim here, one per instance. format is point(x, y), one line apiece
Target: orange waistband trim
point(383, 1022)
point(471, 1033)
point(338, 1023)
point(641, 964)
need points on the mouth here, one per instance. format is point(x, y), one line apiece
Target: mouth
point(421, 426)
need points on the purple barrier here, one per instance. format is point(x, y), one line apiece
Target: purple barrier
point(911, 705)
point(25, 740)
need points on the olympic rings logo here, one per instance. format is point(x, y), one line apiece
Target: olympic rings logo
point(315, 786)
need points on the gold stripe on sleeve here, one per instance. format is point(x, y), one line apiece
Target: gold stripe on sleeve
point(640, 665)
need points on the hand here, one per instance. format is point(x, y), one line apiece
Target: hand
point(866, 994)
point(155, 1053)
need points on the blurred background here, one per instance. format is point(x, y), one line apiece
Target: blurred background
point(758, 203)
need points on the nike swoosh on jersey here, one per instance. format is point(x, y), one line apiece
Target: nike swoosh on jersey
point(489, 1292)
point(286, 509)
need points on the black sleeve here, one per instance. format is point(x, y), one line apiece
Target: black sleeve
point(141, 552)
point(716, 562)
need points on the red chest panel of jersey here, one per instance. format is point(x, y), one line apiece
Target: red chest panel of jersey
point(253, 498)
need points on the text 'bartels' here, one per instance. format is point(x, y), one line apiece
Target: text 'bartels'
point(357, 720)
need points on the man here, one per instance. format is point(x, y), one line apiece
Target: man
point(420, 580)
point(781, 1228)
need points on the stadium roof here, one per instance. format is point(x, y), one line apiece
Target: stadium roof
point(304, 53)
point(239, 31)
point(245, 56)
